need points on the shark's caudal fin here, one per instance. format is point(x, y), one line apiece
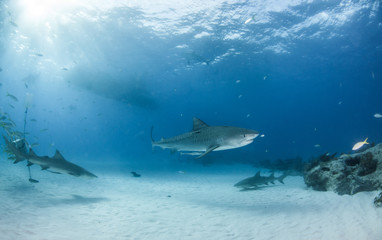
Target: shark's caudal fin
point(281, 178)
point(19, 157)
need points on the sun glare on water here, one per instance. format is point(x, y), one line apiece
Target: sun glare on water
point(38, 11)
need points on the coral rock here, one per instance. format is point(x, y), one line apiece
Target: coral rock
point(378, 200)
point(348, 174)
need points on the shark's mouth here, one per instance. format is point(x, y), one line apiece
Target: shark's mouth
point(250, 137)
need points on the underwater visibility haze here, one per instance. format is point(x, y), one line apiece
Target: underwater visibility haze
point(95, 77)
point(99, 75)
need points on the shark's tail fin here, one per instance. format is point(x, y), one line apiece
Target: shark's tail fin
point(12, 149)
point(281, 178)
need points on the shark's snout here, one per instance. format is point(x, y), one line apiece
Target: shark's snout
point(249, 136)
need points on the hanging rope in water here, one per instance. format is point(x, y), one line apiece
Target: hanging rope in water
point(25, 121)
point(25, 142)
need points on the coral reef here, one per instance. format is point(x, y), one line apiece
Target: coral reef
point(347, 174)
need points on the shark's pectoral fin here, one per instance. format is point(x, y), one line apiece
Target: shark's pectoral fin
point(29, 164)
point(18, 159)
point(33, 180)
point(173, 150)
point(210, 149)
point(44, 167)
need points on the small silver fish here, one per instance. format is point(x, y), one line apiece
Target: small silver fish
point(13, 23)
point(34, 144)
point(12, 97)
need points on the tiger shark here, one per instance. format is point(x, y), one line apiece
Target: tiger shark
point(55, 164)
point(204, 139)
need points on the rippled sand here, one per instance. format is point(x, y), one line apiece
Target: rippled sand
point(200, 203)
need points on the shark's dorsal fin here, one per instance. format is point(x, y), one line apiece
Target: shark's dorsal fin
point(257, 174)
point(198, 124)
point(32, 153)
point(58, 155)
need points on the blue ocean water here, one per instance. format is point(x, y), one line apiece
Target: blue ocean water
point(96, 76)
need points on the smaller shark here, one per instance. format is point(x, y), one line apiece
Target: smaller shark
point(56, 164)
point(252, 183)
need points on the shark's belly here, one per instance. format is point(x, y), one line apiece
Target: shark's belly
point(188, 142)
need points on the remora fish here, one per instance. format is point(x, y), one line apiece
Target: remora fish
point(253, 183)
point(205, 139)
point(55, 164)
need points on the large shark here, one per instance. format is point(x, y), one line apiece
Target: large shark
point(254, 182)
point(204, 139)
point(55, 164)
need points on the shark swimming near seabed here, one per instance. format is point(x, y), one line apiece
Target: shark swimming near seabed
point(56, 164)
point(204, 139)
point(255, 182)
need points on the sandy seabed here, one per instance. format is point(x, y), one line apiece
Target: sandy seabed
point(197, 203)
